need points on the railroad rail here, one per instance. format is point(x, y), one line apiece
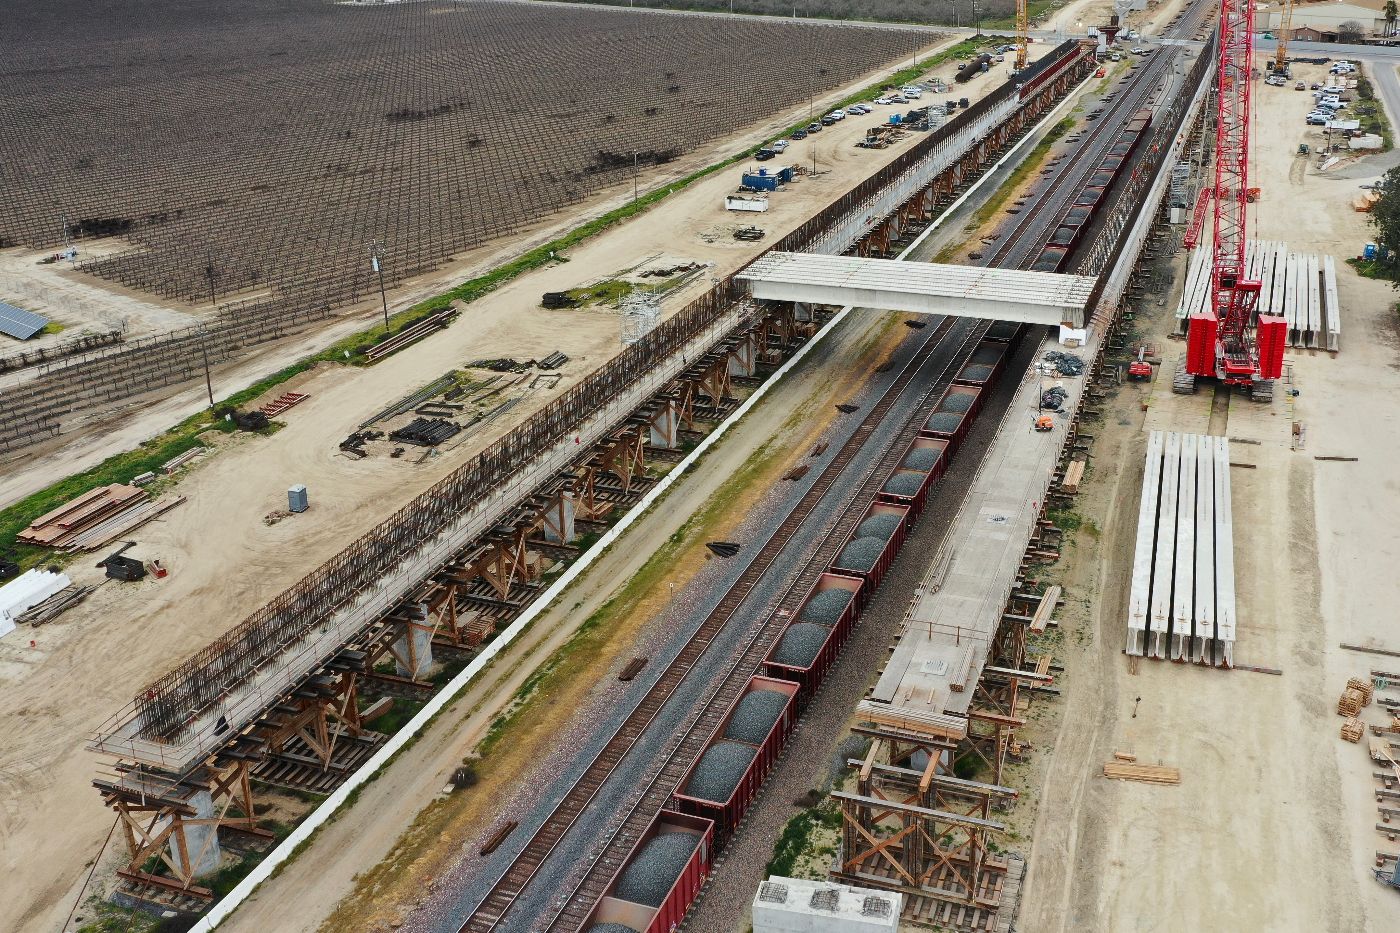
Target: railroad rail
point(1018, 249)
point(494, 907)
point(700, 730)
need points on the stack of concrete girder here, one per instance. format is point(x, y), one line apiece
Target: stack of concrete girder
point(1182, 601)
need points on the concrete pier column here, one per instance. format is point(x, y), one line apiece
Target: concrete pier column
point(199, 843)
point(801, 311)
point(665, 426)
point(743, 359)
point(413, 649)
point(559, 517)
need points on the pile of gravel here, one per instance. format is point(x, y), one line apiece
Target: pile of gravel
point(862, 553)
point(718, 773)
point(947, 422)
point(922, 459)
point(653, 871)
point(754, 716)
point(879, 525)
point(987, 355)
point(957, 401)
point(826, 607)
point(977, 373)
point(800, 644)
point(904, 484)
point(610, 928)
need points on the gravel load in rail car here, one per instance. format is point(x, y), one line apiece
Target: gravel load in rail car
point(978, 373)
point(754, 716)
point(653, 871)
point(989, 354)
point(956, 401)
point(1005, 330)
point(862, 553)
point(879, 525)
point(800, 645)
point(922, 459)
point(902, 484)
point(718, 773)
point(825, 608)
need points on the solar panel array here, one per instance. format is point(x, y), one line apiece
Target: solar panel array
point(18, 323)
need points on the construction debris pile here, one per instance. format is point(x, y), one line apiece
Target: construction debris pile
point(96, 518)
point(1066, 364)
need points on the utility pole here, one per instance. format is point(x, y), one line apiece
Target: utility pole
point(377, 265)
point(208, 379)
point(634, 174)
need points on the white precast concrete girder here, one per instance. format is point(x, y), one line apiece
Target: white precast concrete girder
point(1047, 298)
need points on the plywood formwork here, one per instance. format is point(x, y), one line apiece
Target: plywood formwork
point(1183, 564)
point(1299, 287)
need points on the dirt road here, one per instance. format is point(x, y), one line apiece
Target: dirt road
point(1270, 828)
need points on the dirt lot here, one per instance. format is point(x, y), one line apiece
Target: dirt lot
point(225, 562)
point(1271, 827)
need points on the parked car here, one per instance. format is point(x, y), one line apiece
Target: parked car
point(857, 109)
point(815, 127)
point(882, 101)
point(1138, 50)
point(898, 99)
point(1000, 58)
point(763, 155)
point(837, 115)
point(912, 92)
point(828, 120)
point(1318, 119)
point(1316, 86)
point(1300, 86)
point(779, 145)
point(799, 134)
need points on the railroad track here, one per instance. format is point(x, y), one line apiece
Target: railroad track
point(747, 661)
point(493, 908)
point(1017, 250)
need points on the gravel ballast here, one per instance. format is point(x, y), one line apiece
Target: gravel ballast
point(720, 769)
point(879, 525)
point(825, 608)
point(922, 458)
point(754, 716)
point(610, 928)
point(862, 553)
point(800, 644)
point(947, 422)
point(904, 484)
point(653, 871)
point(956, 401)
point(977, 373)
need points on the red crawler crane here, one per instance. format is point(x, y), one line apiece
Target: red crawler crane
point(1229, 341)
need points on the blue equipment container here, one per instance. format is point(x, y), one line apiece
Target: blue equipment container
point(297, 500)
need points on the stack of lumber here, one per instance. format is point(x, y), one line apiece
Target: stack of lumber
point(94, 519)
point(1352, 729)
point(1364, 687)
point(1147, 774)
point(1350, 703)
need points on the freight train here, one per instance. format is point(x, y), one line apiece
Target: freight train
point(662, 875)
point(1081, 214)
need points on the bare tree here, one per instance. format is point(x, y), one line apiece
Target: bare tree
point(1351, 31)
